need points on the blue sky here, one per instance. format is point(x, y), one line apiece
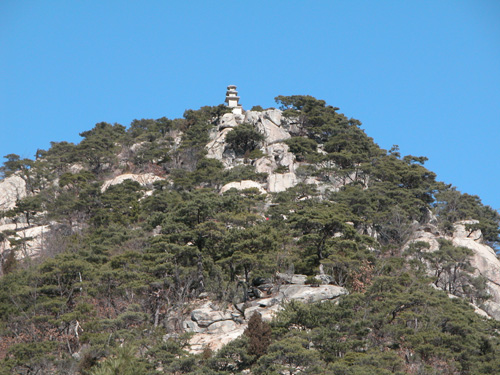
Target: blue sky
point(424, 75)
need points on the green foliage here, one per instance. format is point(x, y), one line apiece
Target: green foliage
point(124, 362)
point(22, 166)
point(118, 204)
point(99, 146)
point(199, 122)
point(243, 172)
point(288, 356)
point(452, 206)
point(317, 120)
point(14, 164)
point(243, 138)
point(29, 207)
point(118, 271)
point(149, 130)
point(304, 149)
point(397, 324)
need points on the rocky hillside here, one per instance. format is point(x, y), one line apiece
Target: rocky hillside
point(150, 249)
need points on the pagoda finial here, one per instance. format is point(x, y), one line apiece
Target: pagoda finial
point(232, 100)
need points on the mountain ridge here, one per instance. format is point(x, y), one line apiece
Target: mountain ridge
point(217, 204)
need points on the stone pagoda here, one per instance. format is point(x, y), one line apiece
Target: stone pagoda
point(232, 99)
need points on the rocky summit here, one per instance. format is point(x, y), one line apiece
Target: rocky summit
point(233, 241)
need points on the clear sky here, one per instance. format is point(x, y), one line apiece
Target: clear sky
point(424, 75)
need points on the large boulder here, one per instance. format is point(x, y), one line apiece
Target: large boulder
point(145, 179)
point(311, 294)
point(200, 341)
point(277, 182)
point(281, 156)
point(292, 279)
point(268, 123)
point(217, 146)
point(272, 133)
point(214, 327)
point(273, 115)
point(222, 326)
point(242, 185)
point(229, 120)
point(207, 314)
point(277, 154)
point(484, 258)
point(34, 237)
point(11, 189)
point(252, 117)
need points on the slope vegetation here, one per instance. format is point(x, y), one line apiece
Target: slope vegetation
point(141, 223)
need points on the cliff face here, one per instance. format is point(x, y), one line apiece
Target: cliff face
point(269, 123)
point(280, 165)
point(11, 189)
point(484, 260)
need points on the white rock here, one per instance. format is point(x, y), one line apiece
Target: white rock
point(75, 168)
point(277, 182)
point(311, 294)
point(252, 117)
point(280, 154)
point(273, 115)
point(428, 237)
point(216, 147)
point(137, 146)
point(292, 279)
point(268, 123)
point(228, 120)
point(201, 341)
point(481, 312)
point(268, 302)
point(264, 165)
point(222, 326)
point(267, 313)
point(242, 185)
point(145, 179)
point(221, 332)
point(11, 226)
point(206, 315)
point(492, 308)
point(190, 326)
point(460, 231)
point(483, 259)
point(272, 132)
point(11, 189)
point(33, 246)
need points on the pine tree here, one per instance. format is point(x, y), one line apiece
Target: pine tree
point(259, 335)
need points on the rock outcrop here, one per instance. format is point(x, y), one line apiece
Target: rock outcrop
point(242, 185)
point(215, 326)
point(484, 258)
point(145, 179)
point(278, 162)
point(31, 239)
point(11, 189)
